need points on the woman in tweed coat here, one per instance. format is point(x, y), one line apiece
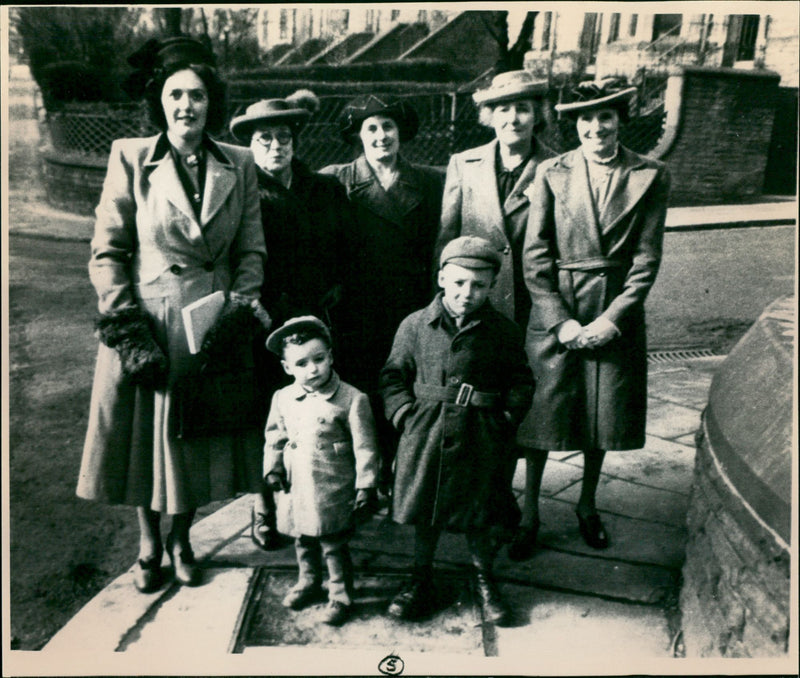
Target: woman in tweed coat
point(178, 219)
point(591, 255)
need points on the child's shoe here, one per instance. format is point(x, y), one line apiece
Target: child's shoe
point(299, 598)
point(336, 613)
point(414, 601)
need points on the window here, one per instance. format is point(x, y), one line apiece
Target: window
point(666, 24)
point(395, 14)
point(547, 26)
point(369, 20)
point(613, 28)
point(422, 16)
point(283, 25)
point(632, 25)
point(747, 38)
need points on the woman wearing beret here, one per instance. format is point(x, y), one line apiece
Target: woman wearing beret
point(304, 216)
point(591, 254)
point(486, 194)
point(391, 241)
point(178, 219)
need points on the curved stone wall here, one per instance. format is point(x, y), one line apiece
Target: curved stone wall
point(736, 577)
point(73, 182)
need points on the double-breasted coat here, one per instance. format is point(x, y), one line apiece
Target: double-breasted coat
point(471, 206)
point(326, 443)
point(452, 459)
point(581, 265)
point(150, 250)
point(391, 250)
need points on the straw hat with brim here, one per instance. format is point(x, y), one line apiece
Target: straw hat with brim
point(268, 112)
point(358, 110)
point(598, 94)
point(511, 86)
point(303, 323)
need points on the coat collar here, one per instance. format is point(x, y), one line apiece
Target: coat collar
point(570, 182)
point(435, 314)
point(300, 174)
point(220, 178)
point(327, 392)
point(398, 201)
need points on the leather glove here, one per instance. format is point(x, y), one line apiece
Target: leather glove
point(366, 505)
point(570, 334)
point(277, 481)
point(240, 320)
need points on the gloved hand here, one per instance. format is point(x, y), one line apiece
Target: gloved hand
point(599, 332)
point(366, 505)
point(277, 481)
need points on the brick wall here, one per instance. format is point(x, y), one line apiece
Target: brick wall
point(720, 152)
point(736, 577)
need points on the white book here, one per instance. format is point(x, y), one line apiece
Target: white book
point(199, 316)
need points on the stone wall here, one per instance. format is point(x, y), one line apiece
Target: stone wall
point(719, 153)
point(73, 183)
point(736, 578)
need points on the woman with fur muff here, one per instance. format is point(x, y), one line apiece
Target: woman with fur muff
point(391, 242)
point(305, 217)
point(178, 219)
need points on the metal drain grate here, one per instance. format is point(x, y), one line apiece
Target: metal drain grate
point(679, 354)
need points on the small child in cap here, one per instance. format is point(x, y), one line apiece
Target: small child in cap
point(456, 385)
point(320, 450)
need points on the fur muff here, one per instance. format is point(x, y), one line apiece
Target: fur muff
point(239, 323)
point(128, 332)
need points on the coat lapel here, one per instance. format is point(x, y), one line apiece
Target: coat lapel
point(485, 182)
point(570, 183)
point(164, 180)
point(394, 204)
point(635, 178)
point(220, 181)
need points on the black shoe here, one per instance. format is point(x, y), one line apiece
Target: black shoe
point(184, 564)
point(263, 532)
point(592, 531)
point(493, 607)
point(301, 598)
point(336, 613)
point(523, 544)
point(147, 574)
point(414, 601)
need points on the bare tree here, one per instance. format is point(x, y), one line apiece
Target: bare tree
point(510, 58)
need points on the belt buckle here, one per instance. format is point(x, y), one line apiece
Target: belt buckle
point(464, 395)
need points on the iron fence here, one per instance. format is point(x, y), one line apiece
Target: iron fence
point(448, 124)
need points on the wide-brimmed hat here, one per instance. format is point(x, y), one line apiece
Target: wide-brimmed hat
point(156, 56)
point(594, 94)
point(509, 86)
point(294, 110)
point(294, 326)
point(363, 107)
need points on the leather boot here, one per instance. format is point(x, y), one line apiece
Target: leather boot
point(415, 599)
point(493, 607)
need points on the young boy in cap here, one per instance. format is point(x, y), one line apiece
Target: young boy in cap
point(321, 451)
point(456, 385)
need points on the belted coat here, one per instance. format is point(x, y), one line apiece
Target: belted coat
point(152, 251)
point(326, 443)
point(581, 265)
point(390, 262)
point(471, 206)
point(452, 459)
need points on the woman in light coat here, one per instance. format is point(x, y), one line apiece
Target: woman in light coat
point(486, 194)
point(592, 252)
point(177, 220)
point(390, 273)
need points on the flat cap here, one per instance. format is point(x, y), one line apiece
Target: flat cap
point(470, 251)
point(301, 323)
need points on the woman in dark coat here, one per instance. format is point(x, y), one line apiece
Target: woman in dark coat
point(390, 243)
point(305, 216)
point(486, 194)
point(591, 255)
point(178, 219)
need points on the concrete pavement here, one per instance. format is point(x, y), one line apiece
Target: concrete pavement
point(574, 608)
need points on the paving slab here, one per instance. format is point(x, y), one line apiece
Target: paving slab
point(631, 539)
point(556, 629)
point(558, 474)
point(668, 420)
point(680, 384)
